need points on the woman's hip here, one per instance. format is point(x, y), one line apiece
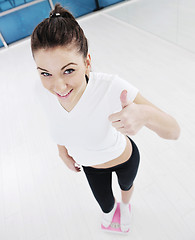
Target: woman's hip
point(133, 159)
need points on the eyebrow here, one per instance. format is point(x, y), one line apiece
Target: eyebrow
point(61, 68)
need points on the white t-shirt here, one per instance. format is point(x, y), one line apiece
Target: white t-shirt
point(86, 131)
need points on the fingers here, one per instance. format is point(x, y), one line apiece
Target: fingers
point(123, 98)
point(75, 168)
point(71, 164)
point(115, 117)
point(118, 124)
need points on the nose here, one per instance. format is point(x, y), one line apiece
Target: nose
point(60, 85)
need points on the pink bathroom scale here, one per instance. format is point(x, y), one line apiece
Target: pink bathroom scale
point(115, 225)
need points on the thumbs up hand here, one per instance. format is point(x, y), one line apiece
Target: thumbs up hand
point(123, 98)
point(130, 119)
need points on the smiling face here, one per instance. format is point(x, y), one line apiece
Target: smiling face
point(62, 71)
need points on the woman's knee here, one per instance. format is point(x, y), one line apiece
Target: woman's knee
point(107, 205)
point(127, 172)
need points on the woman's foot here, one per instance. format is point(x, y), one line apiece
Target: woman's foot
point(125, 216)
point(107, 217)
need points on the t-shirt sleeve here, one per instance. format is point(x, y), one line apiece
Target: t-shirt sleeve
point(117, 86)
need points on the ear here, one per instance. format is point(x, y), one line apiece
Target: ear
point(88, 60)
point(88, 63)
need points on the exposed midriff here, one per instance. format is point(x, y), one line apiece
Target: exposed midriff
point(121, 159)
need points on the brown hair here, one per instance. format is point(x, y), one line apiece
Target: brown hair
point(59, 30)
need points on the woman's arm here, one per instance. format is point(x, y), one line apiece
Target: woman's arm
point(157, 120)
point(68, 160)
point(134, 115)
point(62, 150)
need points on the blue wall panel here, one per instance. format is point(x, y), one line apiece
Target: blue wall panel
point(1, 44)
point(81, 7)
point(78, 7)
point(105, 3)
point(20, 24)
point(6, 5)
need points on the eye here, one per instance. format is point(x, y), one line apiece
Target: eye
point(69, 71)
point(45, 74)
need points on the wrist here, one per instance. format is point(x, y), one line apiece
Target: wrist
point(146, 113)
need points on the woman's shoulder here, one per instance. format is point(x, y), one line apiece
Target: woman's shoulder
point(102, 76)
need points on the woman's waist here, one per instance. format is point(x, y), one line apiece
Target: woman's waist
point(121, 159)
point(87, 155)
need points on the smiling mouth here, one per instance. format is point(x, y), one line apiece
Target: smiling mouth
point(66, 95)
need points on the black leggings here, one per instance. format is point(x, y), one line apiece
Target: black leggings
point(100, 179)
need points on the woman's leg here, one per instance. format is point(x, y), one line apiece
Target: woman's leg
point(126, 195)
point(100, 181)
point(126, 173)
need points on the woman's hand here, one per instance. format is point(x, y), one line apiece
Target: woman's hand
point(141, 112)
point(130, 119)
point(70, 162)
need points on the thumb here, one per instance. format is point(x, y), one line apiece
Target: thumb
point(123, 98)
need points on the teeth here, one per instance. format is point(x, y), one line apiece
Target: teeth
point(64, 94)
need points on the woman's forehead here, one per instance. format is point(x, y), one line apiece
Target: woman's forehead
point(53, 60)
point(57, 55)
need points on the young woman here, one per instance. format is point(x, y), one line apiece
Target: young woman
point(92, 114)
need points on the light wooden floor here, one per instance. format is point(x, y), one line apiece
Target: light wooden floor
point(40, 199)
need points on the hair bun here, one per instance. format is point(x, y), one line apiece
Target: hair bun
point(59, 11)
point(67, 15)
point(53, 14)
